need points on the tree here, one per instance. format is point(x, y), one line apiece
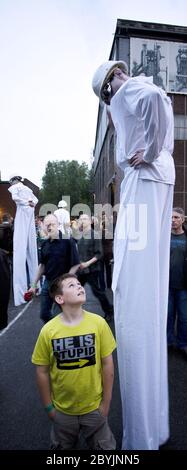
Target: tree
point(68, 178)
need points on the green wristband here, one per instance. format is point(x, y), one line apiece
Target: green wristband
point(49, 408)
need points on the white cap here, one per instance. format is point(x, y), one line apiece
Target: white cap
point(103, 71)
point(15, 177)
point(62, 203)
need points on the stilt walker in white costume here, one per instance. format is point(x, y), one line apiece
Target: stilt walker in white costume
point(143, 118)
point(24, 240)
point(63, 217)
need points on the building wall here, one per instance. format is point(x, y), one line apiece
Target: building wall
point(6, 203)
point(180, 150)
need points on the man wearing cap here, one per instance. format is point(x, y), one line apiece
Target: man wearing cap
point(143, 119)
point(63, 218)
point(24, 238)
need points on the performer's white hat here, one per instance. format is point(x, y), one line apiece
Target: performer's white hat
point(62, 203)
point(14, 177)
point(104, 71)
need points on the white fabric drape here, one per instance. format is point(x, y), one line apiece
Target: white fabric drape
point(24, 241)
point(140, 304)
point(143, 119)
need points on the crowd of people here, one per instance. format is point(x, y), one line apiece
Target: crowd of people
point(30, 261)
point(73, 352)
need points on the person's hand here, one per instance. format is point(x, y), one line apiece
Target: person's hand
point(75, 225)
point(52, 414)
point(74, 269)
point(30, 293)
point(137, 159)
point(84, 265)
point(33, 290)
point(31, 203)
point(104, 408)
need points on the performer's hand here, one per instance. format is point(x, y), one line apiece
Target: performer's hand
point(137, 159)
point(31, 203)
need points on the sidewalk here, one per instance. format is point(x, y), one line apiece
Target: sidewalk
point(14, 311)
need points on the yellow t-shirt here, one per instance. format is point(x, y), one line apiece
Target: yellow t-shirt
point(74, 355)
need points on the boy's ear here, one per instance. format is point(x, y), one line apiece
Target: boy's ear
point(59, 299)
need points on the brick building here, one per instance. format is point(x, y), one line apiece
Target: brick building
point(150, 49)
point(6, 202)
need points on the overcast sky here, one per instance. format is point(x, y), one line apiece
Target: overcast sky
point(49, 50)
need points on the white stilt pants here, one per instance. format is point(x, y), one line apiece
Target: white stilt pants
point(24, 250)
point(140, 305)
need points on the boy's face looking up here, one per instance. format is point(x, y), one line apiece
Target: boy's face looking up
point(73, 293)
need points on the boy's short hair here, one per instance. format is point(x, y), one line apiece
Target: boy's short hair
point(55, 287)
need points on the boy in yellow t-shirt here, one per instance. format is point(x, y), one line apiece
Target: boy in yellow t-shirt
point(73, 355)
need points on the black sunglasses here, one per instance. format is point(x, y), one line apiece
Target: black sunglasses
point(107, 90)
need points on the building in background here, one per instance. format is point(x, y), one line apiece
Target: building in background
point(156, 50)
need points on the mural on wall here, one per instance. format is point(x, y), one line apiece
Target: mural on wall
point(165, 61)
point(178, 68)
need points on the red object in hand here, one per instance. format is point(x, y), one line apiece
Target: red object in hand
point(28, 296)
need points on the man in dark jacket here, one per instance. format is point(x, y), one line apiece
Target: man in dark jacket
point(177, 306)
point(4, 288)
point(90, 252)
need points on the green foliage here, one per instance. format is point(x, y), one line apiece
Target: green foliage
point(67, 178)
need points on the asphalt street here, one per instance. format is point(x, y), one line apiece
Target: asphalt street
point(24, 424)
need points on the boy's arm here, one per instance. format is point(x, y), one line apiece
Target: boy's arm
point(43, 382)
point(107, 379)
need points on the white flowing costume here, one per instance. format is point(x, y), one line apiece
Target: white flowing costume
point(63, 219)
point(24, 240)
point(143, 119)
